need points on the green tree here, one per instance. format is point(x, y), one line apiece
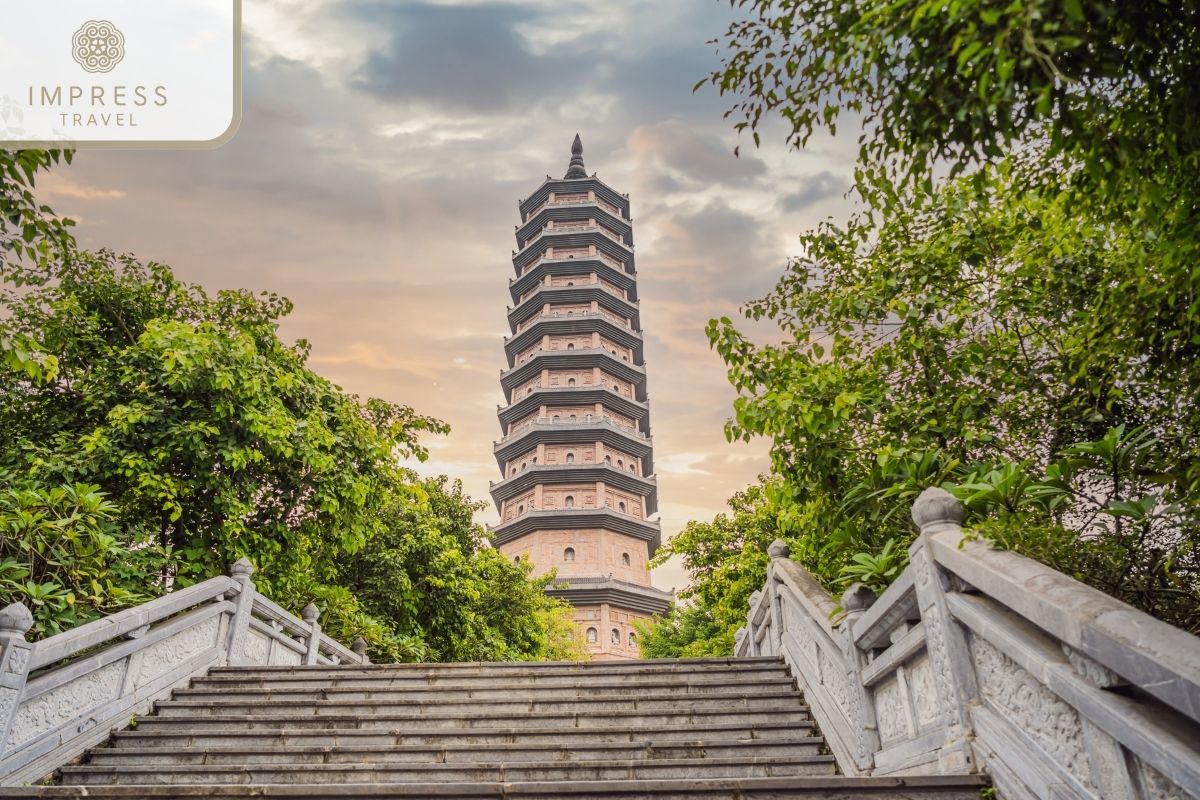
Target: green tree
point(1024, 330)
point(726, 560)
point(957, 342)
point(155, 433)
point(432, 573)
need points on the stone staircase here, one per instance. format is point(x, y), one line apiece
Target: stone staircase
point(730, 728)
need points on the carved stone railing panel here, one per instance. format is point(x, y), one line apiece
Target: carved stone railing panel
point(64, 694)
point(983, 660)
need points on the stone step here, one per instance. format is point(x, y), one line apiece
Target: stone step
point(454, 754)
point(636, 665)
point(636, 769)
point(434, 719)
point(572, 688)
point(397, 704)
point(444, 674)
point(176, 733)
point(952, 787)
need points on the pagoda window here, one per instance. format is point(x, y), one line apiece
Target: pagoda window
point(514, 471)
point(569, 502)
point(632, 639)
point(516, 559)
point(631, 468)
point(615, 636)
point(620, 463)
point(621, 508)
point(535, 459)
point(608, 459)
point(570, 345)
point(570, 381)
point(569, 554)
point(524, 464)
point(592, 635)
point(624, 556)
point(570, 458)
point(521, 509)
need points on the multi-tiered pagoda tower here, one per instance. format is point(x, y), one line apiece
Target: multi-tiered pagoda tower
point(578, 487)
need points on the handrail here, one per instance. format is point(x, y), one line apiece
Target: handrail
point(982, 659)
point(95, 677)
point(68, 643)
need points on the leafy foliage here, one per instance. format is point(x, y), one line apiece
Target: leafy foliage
point(971, 342)
point(155, 433)
point(1025, 329)
point(727, 561)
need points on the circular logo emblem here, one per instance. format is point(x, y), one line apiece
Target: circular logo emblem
point(98, 46)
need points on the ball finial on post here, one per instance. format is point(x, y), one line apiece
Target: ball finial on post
point(936, 507)
point(778, 549)
point(15, 620)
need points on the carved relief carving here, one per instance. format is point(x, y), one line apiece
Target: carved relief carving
point(834, 680)
point(889, 711)
point(160, 657)
point(18, 658)
point(256, 648)
point(67, 702)
point(1033, 708)
point(926, 703)
point(939, 660)
point(286, 657)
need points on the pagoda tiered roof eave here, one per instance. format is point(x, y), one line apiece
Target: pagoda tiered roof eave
point(611, 435)
point(574, 212)
point(573, 186)
point(574, 324)
point(565, 396)
point(554, 474)
point(598, 590)
point(615, 250)
point(648, 531)
point(586, 292)
point(575, 359)
point(572, 266)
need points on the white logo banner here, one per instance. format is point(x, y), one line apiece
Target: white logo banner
point(119, 73)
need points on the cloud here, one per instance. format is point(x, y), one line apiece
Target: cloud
point(465, 57)
point(815, 189)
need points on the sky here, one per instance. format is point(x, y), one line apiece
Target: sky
point(375, 177)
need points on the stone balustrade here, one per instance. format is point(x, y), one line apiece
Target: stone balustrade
point(62, 695)
point(587, 419)
point(981, 660)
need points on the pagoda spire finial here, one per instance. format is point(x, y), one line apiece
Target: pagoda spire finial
point(575, 168)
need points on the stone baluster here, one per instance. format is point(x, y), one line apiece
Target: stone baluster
point(239, 628)
point(312, 615)
point(935, 511)
point(15, 622)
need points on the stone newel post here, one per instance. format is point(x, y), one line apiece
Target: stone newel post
point(15, 622)
point(935, 511)
point(359, 648)
point(312, 615)
point(239, 629)
point(855, 601)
